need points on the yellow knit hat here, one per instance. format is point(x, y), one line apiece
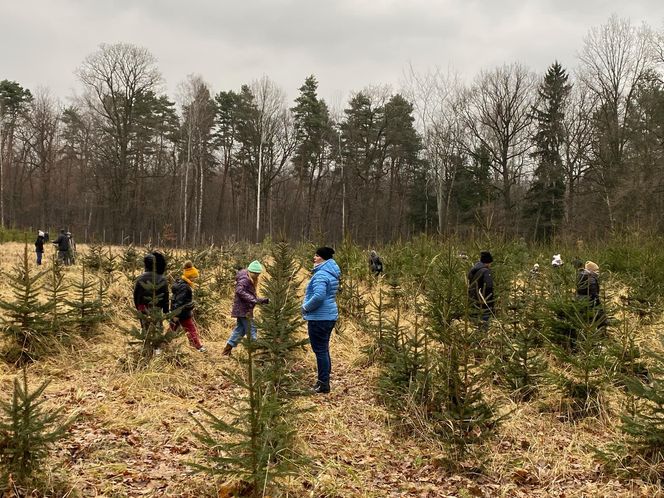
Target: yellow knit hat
point(190, 273)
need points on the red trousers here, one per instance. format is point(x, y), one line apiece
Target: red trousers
point(189, 325)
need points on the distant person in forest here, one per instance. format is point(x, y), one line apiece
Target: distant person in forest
point(62, 244)
point(182, 303)
point(587, 291)
point(71, 253)
point(246, 283)
point(39, 245)
point(375, 263)
point(320, 310)
point(556, 261)
point(480, 290)
point(151, 287)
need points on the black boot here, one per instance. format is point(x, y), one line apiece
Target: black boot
point(321, 388)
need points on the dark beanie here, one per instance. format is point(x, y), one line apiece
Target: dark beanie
point(485, 257)
point(325, 252)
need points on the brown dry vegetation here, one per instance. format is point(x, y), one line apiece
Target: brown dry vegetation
point(134, 436)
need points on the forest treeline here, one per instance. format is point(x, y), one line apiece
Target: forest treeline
point(565, 153)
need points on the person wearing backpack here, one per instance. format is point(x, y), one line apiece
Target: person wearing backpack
point(480, 290)
point(182, 303)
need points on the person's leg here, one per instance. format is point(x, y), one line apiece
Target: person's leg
point(192, 333)
point(39, 258)
point(238, 332)
point(252, 324)
point(319, 337)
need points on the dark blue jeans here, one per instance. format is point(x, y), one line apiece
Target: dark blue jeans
point(319, 337)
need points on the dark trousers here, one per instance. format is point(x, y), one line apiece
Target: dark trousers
point(319, 337)
point(39, 257)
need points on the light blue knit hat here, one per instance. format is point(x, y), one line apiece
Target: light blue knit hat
point(255, 267)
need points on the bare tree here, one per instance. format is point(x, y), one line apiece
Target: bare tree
point(576, 145)
point(199, 112)
point(497, 118)
point(115, 78)
point(273, 128)
point(41, 140)
point(615, 58)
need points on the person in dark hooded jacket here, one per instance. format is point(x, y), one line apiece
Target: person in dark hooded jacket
point(151, 287)
point(480, 288)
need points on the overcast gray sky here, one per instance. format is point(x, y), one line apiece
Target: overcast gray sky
point(347, 44)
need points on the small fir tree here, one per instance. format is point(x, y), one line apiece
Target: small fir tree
point(457, 405)
point(28, 431)
point(26, 319)
point(56, 291)
point(259, 447)
point(87, 309)
point(520, 364)
point(584, 358)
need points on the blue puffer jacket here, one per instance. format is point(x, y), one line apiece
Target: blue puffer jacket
point(319, 298)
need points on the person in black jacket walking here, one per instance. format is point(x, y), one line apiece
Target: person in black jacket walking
point(151, 287)
point(480, 289)
point(183, 300)
point(39, 245)
point(62, 242)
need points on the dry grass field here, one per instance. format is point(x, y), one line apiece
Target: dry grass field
point(133, 435)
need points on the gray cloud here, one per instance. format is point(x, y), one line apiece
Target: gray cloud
point(348, 44)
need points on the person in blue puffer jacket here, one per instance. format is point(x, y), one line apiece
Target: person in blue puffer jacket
point(320, 310)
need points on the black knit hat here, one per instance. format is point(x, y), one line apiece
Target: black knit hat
point(325, 252)
point(485, 257)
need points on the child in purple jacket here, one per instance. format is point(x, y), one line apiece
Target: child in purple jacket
point(246, 282)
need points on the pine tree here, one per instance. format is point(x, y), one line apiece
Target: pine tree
point(56, 290)
point(644, 423)
point(87, 310)
point(520, 363)
point(26, 318)
point(462, 415)
point(245, 447)
point(375, 325)
point(583, 353)
point(27, 430)
point(281, 317)
point(546, 196)
point(259, 445)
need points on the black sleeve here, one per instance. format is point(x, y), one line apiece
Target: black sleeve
point(138, 293)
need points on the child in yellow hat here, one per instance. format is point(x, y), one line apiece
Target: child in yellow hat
point(183, 303)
